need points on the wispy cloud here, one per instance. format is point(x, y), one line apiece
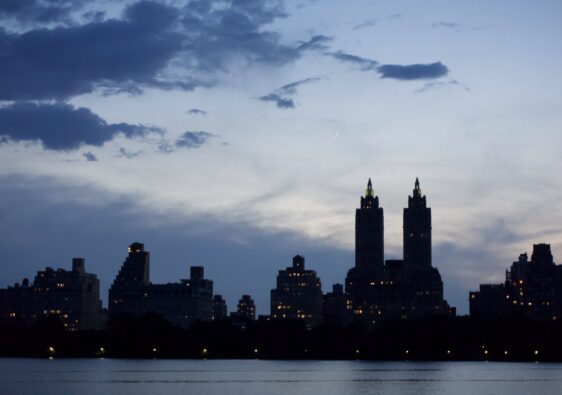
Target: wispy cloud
point(280, 102)
point(193, 139)
point(279, 96)
point(441, 84)
point(127, 154)
point(90, 157)
point(196, 111)
point(364, 64)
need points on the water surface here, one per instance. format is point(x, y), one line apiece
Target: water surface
point(257, 377)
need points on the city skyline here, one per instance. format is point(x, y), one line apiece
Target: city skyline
point(253, 126)
point(369, 255)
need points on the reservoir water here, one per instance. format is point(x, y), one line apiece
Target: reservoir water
point(259, 377)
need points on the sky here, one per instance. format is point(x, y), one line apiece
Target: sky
point(236, 134)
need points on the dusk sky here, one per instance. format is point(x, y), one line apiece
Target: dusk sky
point(235, 134)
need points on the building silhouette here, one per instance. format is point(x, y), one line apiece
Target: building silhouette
point(245, 312)
point(181, 303)
point(532, 288)
point(395, 289)
point(246, 308)
point(70, 295)
point(219, 308)
point(334, 308)
point(298, 294)
point(369, 232)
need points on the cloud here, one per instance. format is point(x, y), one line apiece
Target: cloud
point(449, 25)
point(123, 152)
point(152, 45)
point(441, 84)
point(316, 43)
point(374, 21)
point(364, 64)
point(280, 102)
point(291, 89)
point(193, 139)
point(459, 27)
point(413, 71)
point(66, 61)
point(394, 71)
point(90, 157)
point(279, 95)
point(196, 111)
point(38, 11)
point(367, 23)
point(61, 126)
point(217, 32)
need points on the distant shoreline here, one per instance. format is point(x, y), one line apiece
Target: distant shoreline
point(436, 339)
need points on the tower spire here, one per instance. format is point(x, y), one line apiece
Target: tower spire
point(369, 191)
point(417, 190)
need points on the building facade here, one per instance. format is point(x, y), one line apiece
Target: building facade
point(395, 289)
point(219, 308)
point(532, 288)
point(334, 309)
point(71, 295)
point(298, 294)
point(181, 303)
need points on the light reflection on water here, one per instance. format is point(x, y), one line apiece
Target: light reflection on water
point(249, 377)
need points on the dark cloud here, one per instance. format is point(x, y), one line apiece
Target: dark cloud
point(217, 32)
point(38, 11)
point(90, 157)
point(394, 71)
point(279, 97)
point(364, 64)
point(193, 139)
point(280, 102)
point(316, 43)
point(63, 62)
point(291, 89)
point(196, 111)
point(60, 126)
point(413, 71)
point(151, 45)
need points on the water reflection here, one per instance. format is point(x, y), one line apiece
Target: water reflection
point(213, 377)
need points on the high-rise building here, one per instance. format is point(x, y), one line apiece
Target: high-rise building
point(369, 232)
point(219, 308)
point(73, 296)
point(181, 303)
point(365, 283)
point(334, 309)
point(298, 294)
point(417, 230)
point(246, 308)
point(396, 289)
point(531, 288)
point(420, 276)
point(127, 293)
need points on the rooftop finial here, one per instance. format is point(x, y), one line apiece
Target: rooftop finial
point(369, 191)
point(417, 190)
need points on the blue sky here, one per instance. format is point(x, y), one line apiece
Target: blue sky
point(236, 134)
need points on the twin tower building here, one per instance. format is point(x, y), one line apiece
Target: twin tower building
point(378, 290)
